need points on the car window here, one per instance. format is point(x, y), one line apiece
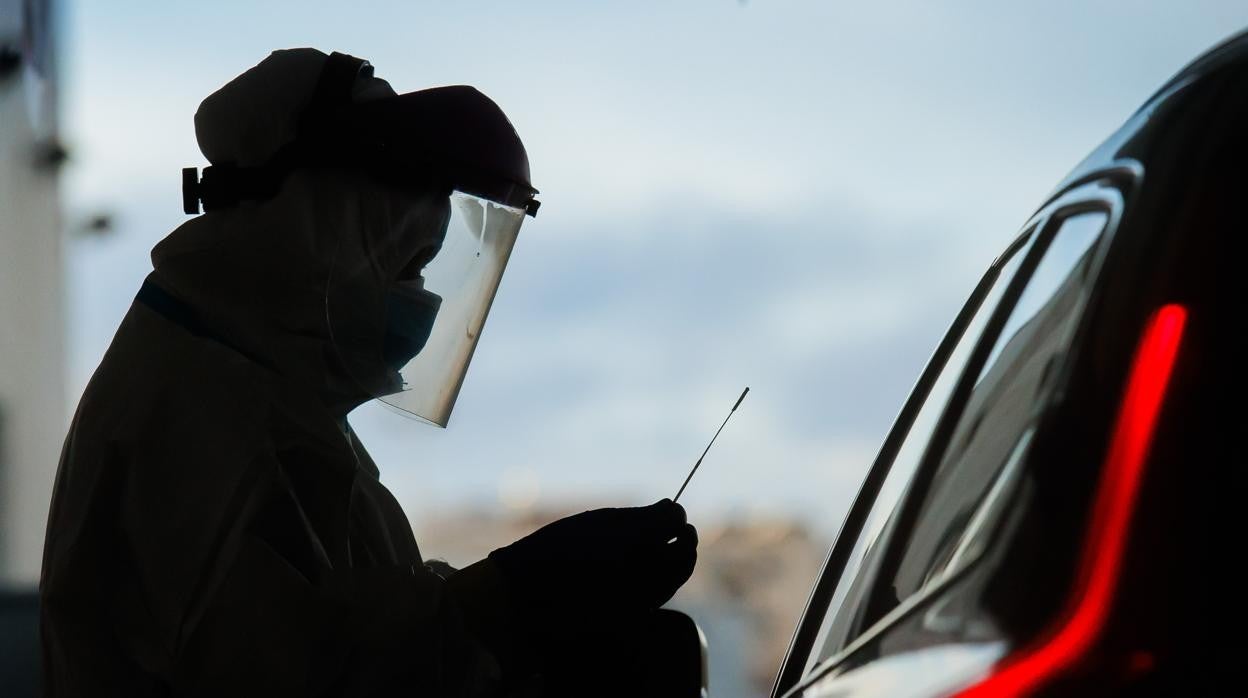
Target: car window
point(980, 463)
point(858, 571)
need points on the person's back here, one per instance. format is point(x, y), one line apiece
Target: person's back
point(213, 526)
point(179, 500)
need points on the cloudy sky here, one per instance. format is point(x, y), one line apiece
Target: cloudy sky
point(794, 196)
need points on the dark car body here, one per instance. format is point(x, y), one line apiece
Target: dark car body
point(1057, 509)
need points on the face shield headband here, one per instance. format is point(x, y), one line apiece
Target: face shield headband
point(403, 138)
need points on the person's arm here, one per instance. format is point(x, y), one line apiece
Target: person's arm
point(527, 601)
point(487, 607)
point(272, 614)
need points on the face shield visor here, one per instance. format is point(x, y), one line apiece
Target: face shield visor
point(406, 311)
point(463, 278)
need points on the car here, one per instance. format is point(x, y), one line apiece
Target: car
point(1055, 510)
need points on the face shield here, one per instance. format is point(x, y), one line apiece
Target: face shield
point(435, 320)
point(406, 308)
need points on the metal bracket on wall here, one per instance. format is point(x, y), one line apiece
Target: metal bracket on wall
point(50, 155)
point(10, 60)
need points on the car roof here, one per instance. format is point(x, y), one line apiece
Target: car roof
point(1138, 136)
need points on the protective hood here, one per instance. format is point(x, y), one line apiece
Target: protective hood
point(257, 275)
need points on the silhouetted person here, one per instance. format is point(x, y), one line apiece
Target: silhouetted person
point(217, 529)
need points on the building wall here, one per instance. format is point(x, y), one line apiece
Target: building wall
point(32, 385)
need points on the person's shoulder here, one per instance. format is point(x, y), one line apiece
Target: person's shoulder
point(158, 388)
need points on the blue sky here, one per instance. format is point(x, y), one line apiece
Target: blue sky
point(794, 196)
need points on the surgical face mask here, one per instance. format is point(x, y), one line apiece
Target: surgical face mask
point(410, 314)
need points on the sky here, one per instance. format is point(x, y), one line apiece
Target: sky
point(793, 196)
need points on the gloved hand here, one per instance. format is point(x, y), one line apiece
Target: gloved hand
point(605, 562)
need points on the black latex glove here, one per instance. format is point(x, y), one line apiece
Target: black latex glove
point(600, 563)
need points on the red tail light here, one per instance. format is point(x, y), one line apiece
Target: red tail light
point(1101, 563)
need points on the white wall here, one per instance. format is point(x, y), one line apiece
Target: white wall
point(32, 391)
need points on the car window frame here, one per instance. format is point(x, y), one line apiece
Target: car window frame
point(1101, 191)
point(1090, 199)
point(863, 575)
point(794, 667)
